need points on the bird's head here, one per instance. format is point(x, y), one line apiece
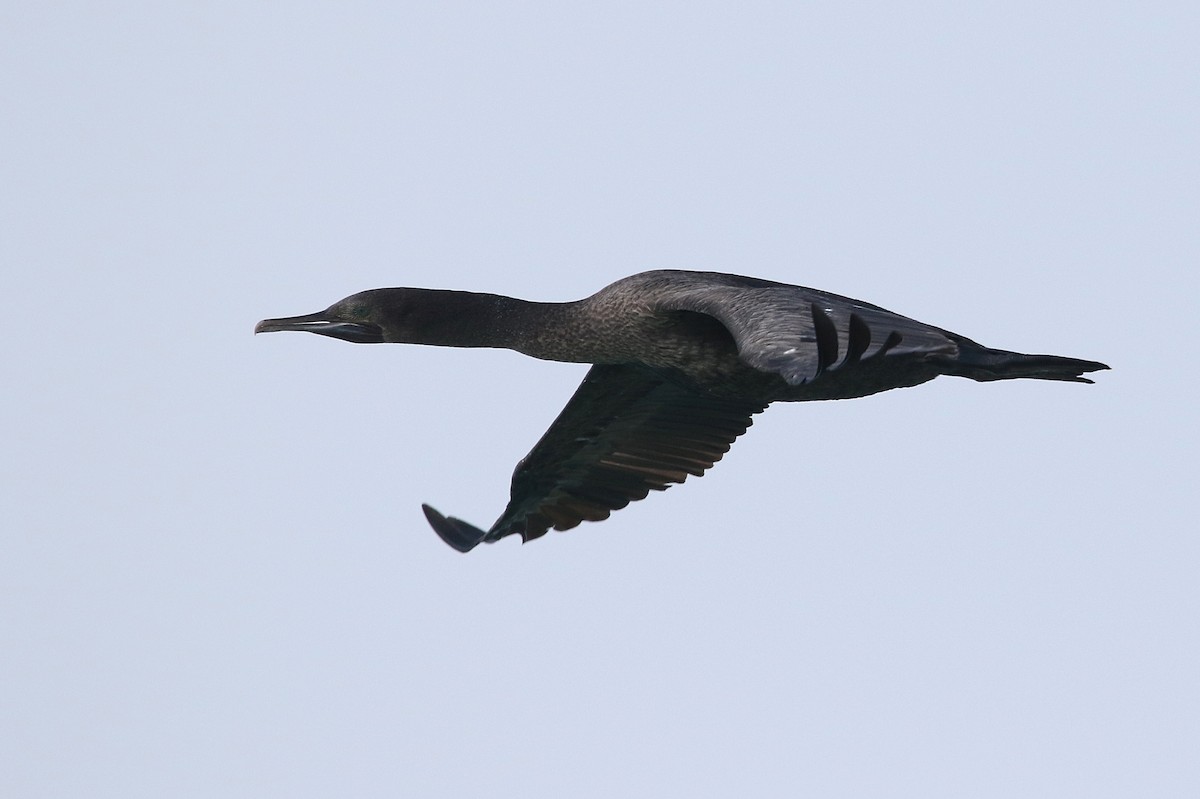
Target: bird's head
point(396, 315)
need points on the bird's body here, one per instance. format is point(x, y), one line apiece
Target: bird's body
point(681, 361)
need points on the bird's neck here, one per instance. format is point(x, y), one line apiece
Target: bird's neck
point(470, 319)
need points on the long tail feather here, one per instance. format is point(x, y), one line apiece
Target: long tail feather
point(981, 363)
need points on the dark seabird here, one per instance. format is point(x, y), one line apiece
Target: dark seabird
point(681, 361)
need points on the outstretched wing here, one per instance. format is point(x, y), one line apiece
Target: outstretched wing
point(624, 433)
point(798, 333)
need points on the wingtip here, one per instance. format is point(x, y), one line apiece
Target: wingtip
point(455, 532)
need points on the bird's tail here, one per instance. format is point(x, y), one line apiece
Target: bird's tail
point(981, 363)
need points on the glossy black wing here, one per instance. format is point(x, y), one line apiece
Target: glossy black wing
point(798, 333)
point(624, 433)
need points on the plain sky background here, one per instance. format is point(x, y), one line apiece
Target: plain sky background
point(215, 578)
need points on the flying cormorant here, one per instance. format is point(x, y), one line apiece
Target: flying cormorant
point(680, 362)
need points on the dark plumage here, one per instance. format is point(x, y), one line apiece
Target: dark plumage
point(681, 362)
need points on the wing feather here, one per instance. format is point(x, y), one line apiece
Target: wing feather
point(627, 431)
point(800, 333)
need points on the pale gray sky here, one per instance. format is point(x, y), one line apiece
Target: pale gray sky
point(215, 579)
